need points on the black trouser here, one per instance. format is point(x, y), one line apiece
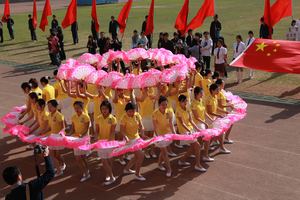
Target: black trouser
point(33, 34)
point(206, 60)
point(149, 41)
point(55, 60)
point(11, 33)
point(1, 36)
point(62, 53)
point(75, 37)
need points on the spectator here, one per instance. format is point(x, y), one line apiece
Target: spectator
point(115, 44)
point(93, 30)
point(215, 29)
point(1, 32)
point(160, 39)
point(149, 36)
point(197, 39)
point(101, 43)
point(54, 23)
point(264, 29)
point(31, 28)
point(53, 45)
point(60, 36)
point(74, 29)
point(91, 45)
point(206, 48)
point(239, 47)
point(249, 41)
point(180, 48)
point(10, 26)
point(189, 38)
point(195, 51)
point(34, 189)
point(220, 58)
point(135, 39)
point(175, 38)
point(113, 27)
point(143, 41)
point(166, 43)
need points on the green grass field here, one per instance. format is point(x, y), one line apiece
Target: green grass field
point(237, 17)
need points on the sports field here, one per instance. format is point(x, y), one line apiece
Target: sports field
point(237, 17)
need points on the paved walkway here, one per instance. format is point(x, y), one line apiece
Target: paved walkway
point(264, 163)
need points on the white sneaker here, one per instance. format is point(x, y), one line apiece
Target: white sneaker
point(178, 146)
point(226, 141)
point(147, 155)
point(161, 168)
point(208, 159)
point(130, 171)
point(200, 169)
point(224, 151)
point(122, 162)
point(172, 154)
point(192, 156)
point(181, 163)
point(107, 178)
point(85, 177)
point(169, 174)
point(153, 155)
point(110, 181)
point(140, 178)
point(63, 168)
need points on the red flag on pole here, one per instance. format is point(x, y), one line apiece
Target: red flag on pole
point(181, 20)
point(267, 17)
point(94, 15)
point(150, 21)
point(6, 12)
point(46, 12)
point(279, 10)
point(123, 16)
point(71, 15)
point(207, 9)
point(34, 14)
point(271, 55)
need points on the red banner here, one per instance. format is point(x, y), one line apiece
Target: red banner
point(6, 12)
point(46, 12)
point(71, 15)
point(150, 20)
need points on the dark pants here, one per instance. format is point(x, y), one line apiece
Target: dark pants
point(62, 53)
point(11, 33)
point(1, 36)
point(75, 37)
point(206, 60)
point(33, 34)
point(149, 41)
point(55, 60)
point(95, 35)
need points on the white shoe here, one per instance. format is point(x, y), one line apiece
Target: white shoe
point(192, 156)
point(181, 163)
point(208, 159)
point(147, 155)
point(110, 181)
point(130, 171)
point(98, 158)
point(228, 141)
point(172, 154)
point(107, 178)
point(153, 155)
point(224, 151)
point(140, 178)
point(122, 162)
point(200, 169)
point(169, 174)
point(161, 168)
point(85, 177)
point(178, 146)
point(63, 168)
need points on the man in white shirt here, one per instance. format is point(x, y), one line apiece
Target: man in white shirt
point(220, 58)
point(206, 46)
point(248, 42)
point(238, 48)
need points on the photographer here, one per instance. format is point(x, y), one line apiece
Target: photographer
point(32, 190)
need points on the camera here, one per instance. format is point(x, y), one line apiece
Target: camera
point(39, 149)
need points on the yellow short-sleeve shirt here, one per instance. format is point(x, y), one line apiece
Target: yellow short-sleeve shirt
point(38, 91)
point(59, 91)
point(105, 125)
point(43, 117)
point(222, 99)
point(80, 124)
point(198, 80)
point(205, 86)
point(147, 106)
point(131, 125)
point(213, 102)
point(49, 92)
point(184, 115)
point(120, 108)
point(162, 121)
point(56, 121)
point(199, 108)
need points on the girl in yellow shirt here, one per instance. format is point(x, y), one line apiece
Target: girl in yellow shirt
point(131, 127)
point(48, 90)
point(163, 124)
point(186, 125)
point(80, 127)
point(206, 82)
point(41, 127)
point(197, 76)
point(56, 124)
point(32, 113)
point(105, 129)
point(35, 87)
point(213, 109)
point(26, 88)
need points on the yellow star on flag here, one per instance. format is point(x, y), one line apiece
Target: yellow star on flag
point(261, 46)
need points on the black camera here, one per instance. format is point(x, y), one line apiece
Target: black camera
point(39, 149)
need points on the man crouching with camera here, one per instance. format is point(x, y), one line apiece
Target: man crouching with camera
point(33, 189)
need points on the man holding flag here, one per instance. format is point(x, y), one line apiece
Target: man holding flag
point(31, 28)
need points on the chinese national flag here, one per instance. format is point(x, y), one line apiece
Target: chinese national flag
point(281, 56)
point(46, 12)
point(181, 20)
point(207, 9)
point(123, 16)
point(94, 15)
point(6, 12)
point(150, 23)
point(71, 15)
point(34, 14)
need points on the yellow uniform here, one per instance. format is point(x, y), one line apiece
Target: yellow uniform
point(34, 110)
point(120, 107)
point(43, 117)
point(147, 106)
point(213, 102)
point(205, 86)
point(38, 91)
point(136, 71)
point(198, 106)
point(198, 80)
point(108, 92)
point(222, 99)
point(162, 121)
point(60, 95)
point(49, 92)
point(85, 102)
point(56, 121)
point(131, 125)
point(92, 89)
point(105, 125)
point(79, 124)
point(184, 115)
point(97, 103)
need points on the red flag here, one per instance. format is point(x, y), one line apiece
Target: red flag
point(34, 14)
point(150, 23)
point(124, 15)
point(279, 10)
point(94, 15)
point(71, 15)
point(207, 9)
point(181, 20)
point(6, 12)
point(46, 12)
point(271, 55)
point(268, 17)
